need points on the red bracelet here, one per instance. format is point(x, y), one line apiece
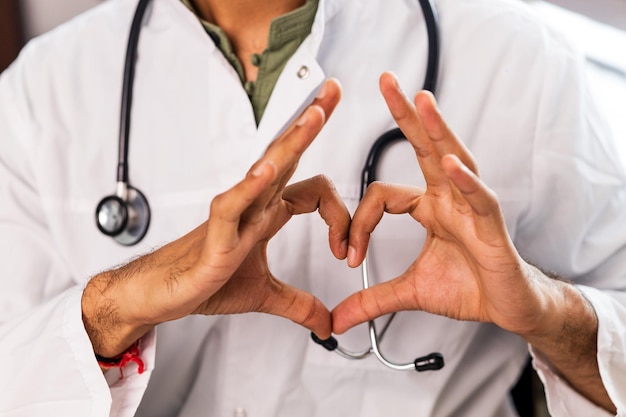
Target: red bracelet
point(132, 354)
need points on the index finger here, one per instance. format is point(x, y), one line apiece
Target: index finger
point(272, 171)
point(379, 198)
point(406, 116)
point(442, 137)
point(247, 200)
point(285, 150)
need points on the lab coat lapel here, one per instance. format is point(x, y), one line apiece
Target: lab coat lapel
point(298, 83)
point(295, 89)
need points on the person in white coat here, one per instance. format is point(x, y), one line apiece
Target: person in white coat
point(511, 89)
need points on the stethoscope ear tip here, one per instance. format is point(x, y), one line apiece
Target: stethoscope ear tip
point(432, 362)
point(329, 344)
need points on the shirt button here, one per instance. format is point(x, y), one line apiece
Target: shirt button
point(255, 60)
point(249, 87)
point(240, 412)
point(303, 72)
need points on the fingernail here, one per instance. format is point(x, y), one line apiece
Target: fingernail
point(394, 78)
point(433, 100)
point(351, 255)
point(344, 247)
point(320, 94)
point(303, 119)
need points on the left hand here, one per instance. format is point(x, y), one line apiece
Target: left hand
point(468, 268)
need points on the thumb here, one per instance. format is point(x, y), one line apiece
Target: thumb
point(388, 297)
point(300, 307)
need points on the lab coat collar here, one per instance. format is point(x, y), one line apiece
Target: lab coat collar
point(293, 90)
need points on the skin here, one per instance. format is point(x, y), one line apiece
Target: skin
point(467, 270)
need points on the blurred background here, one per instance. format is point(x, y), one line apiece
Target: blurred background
point(21, 20)
point(597, 26)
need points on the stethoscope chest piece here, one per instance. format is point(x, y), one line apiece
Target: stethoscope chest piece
point(124, 217)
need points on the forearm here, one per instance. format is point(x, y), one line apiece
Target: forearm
point(568, 339)
point(115, 310)
point(121, 305)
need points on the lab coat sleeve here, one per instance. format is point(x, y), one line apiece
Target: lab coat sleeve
point(48, 364)
point(562, 399)
point(574, 223)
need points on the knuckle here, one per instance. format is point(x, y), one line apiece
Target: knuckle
point(422, 151)
point(492, 198)
point(337, 232)
point(378, 191)
point(323, 181)
point(326, 187)
point(218, 203)
point(308, 312)
point(376, 187)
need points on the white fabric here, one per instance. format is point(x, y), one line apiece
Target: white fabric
point(508, 85)
point(562, 399)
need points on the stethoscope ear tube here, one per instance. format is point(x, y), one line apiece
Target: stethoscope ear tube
point(368, 174)
point(432, 27)
point(127, 91)
point(430, 83)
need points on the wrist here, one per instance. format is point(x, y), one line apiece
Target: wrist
point(566, 326)
point(550, 308)
point(569, 342)
point(533, 313)
point(110, 330)
point(566, 331)
point(547, 311)
point(130, 355)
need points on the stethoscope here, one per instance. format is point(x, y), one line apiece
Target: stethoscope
point(125, 215)
point(433, 361)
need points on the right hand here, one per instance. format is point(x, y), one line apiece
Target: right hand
point(221, 266)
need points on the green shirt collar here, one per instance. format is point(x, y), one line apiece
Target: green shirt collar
point(287, 32)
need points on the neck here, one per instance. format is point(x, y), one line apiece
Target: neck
point(246, 22)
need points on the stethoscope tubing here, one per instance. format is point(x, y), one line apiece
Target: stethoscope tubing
point(429, 362)
point(432, 28)
point(433, 361)
point(127, 91)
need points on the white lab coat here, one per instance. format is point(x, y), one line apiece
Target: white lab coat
point(509, 87)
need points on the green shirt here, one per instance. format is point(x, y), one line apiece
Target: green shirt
point(287, 32)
